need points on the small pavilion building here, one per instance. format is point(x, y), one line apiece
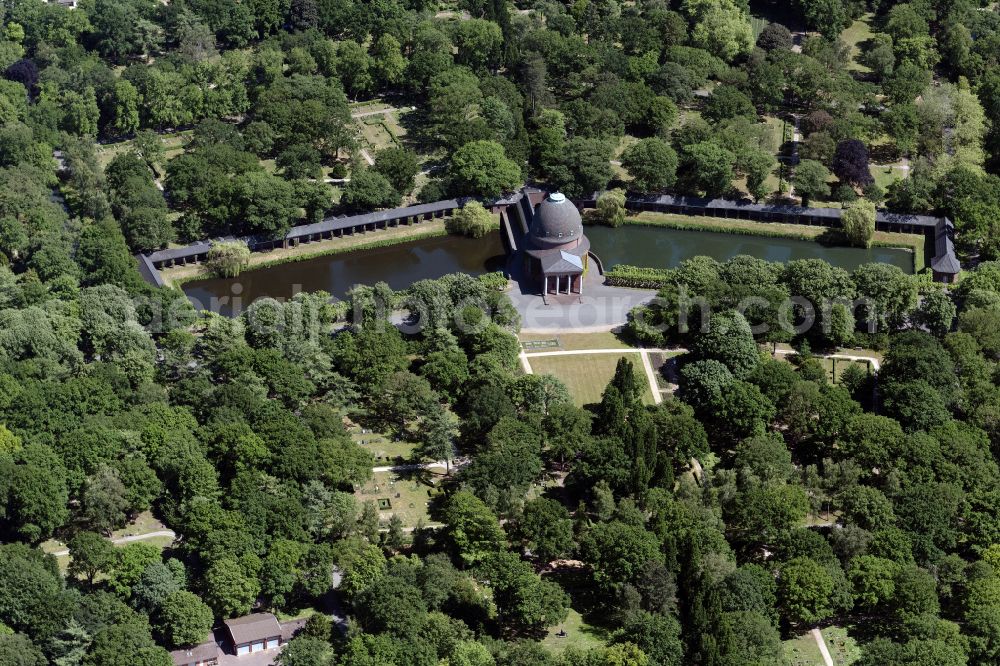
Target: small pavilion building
point(555, 248)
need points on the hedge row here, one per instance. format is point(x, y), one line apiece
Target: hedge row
point(638, 277)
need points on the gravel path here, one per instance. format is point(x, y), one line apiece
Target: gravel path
point(128, 539)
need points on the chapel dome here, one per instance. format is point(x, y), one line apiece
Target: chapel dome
point(557, 222)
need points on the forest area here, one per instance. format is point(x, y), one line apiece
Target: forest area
point(759, 502)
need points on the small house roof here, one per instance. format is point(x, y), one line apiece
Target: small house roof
point(203, 652)
point(253, 627)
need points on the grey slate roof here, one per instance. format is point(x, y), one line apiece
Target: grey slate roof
point(253, 627)
point(557, 221)
point(561, 262)
point(305, 230)
point(945, 260)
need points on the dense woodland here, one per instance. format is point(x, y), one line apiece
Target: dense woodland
point(761, 501)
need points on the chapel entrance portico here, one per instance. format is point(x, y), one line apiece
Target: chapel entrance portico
point(564, 284)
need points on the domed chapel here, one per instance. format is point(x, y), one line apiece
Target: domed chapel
point(556, 248)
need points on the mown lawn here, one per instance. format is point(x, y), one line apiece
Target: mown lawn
point(856, 34)
point(579, 634)
point(803, 651)
point(843, 648)
point(886, 174)
point(567, 341)
point(586, 375)
point(384, 449)
point(406, 495)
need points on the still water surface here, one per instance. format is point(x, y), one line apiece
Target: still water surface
point(666, 248)
point(402, 265)
point(397, 265)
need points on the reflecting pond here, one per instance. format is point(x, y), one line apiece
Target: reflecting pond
point(403, 264)
point(659, 247)
point(398, 265)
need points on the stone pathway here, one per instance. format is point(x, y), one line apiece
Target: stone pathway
point(377, 112)
point(822, 647)
point(794, 160)
point(837, 357)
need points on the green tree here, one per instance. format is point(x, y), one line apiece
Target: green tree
point(369, 190)
point(858, 222)
point(182, 620)
point(129, 563)
point(657, 635)
point(546, 529)
point(33, 494)
point(719, 26)
point(804, 591)
point(399, 166)
point(103, 500)
point(728, 339)
point(264, 203)
point(652, 163)
point(481, 168)
point(388, 60)
point(228, 258)
point(936, 312)
point(873, 579)
point(523, 600)
point(124, 644)
point(479, 43)
point(474, 530)
point(90, 554)
point(229, 590)
point(18, 650)
point(472, 220)
point(726, 103)
point(438, 432)
point(810, 181)
point(707, 167)
point(619, 553)
point(306, 651)
point(33, 598)
point(758, 165)
point(611, 208)
point(829, 17)
point(566, 427)
point(891, 295)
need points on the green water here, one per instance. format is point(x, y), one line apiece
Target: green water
point(403, 264)
point(660, 247)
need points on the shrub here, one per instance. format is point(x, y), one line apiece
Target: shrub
point(638, 277)
point(495, 281)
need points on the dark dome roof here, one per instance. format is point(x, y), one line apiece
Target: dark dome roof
point(557, 222)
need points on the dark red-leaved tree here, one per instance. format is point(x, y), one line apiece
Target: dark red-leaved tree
point(850, 163)
point(25, 72)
